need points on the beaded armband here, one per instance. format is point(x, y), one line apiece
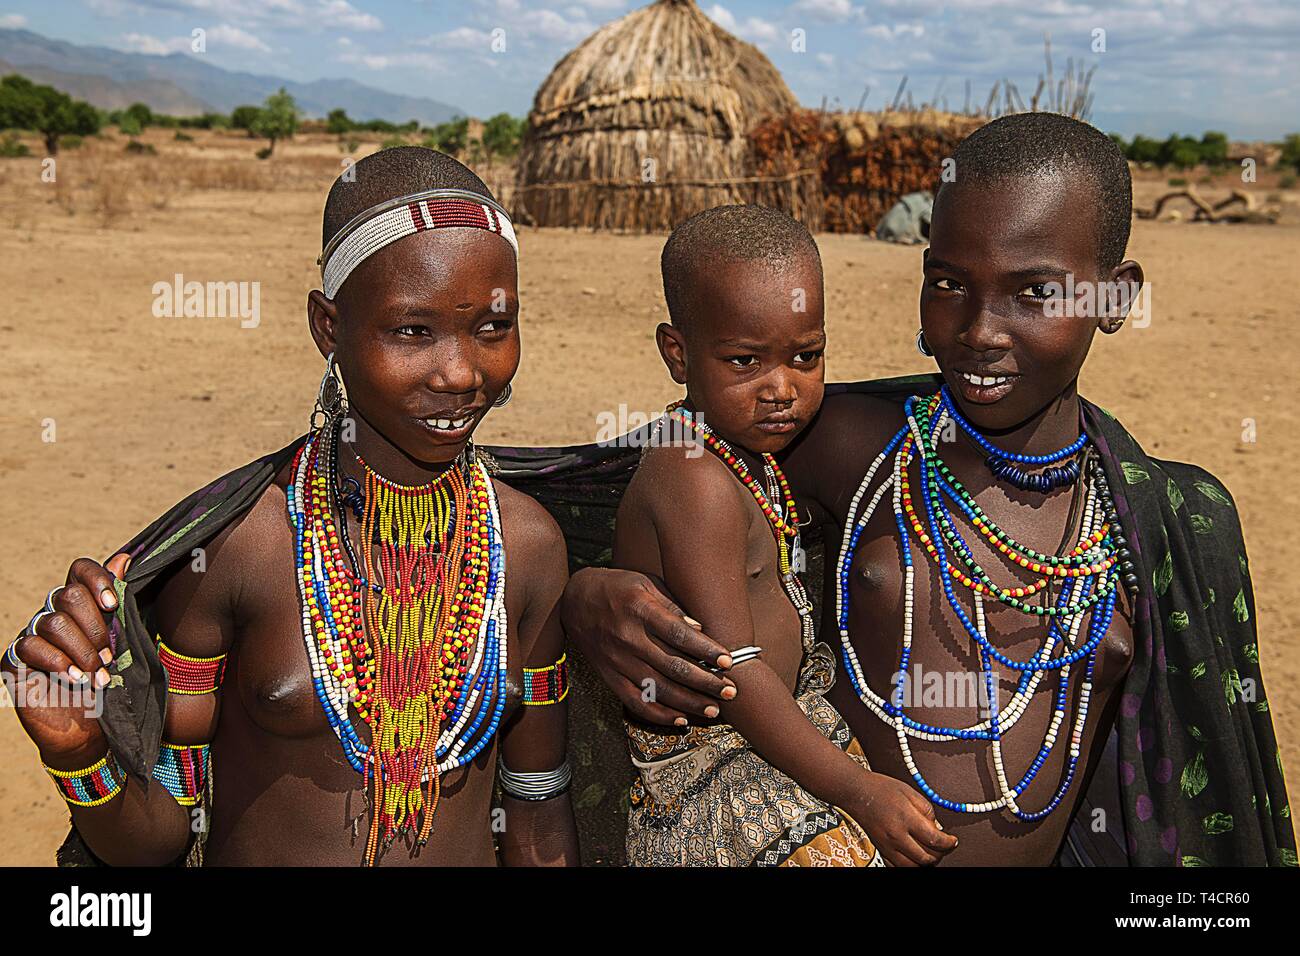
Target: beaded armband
point(541, 785)
point(95, 785)
point(183, 771)
point(191, 676)
point(547, 685)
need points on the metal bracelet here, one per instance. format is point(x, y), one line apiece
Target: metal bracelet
point(541, 785)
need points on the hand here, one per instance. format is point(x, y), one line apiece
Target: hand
point(632, 633)
point(71, 646)
point(901, 823)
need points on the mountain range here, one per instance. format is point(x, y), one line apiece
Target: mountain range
point(183, 85)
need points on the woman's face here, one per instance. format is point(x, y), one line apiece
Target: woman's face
point(426, 337)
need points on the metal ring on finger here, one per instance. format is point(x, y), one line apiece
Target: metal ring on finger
point(11, 653)
point(49, 598)
point(31, 625)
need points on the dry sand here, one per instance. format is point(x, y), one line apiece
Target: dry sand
point(146, 409)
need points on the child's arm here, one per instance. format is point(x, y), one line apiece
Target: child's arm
point(538, 832)
point(701, 522)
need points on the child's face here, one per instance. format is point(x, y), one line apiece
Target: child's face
point(427, 337)
point(752, 358)
point(984, 309)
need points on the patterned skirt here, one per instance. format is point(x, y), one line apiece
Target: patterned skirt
point(705, 798)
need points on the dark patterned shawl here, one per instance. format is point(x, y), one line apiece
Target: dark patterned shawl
point(1191, 775)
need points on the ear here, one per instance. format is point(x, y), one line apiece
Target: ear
point(1125, 287)
point(672, 348)
point(323, 319)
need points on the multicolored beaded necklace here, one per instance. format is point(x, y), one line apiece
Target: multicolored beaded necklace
point(1005, 465)
point(1088, 571)
point(413, 636)
point(782, 519)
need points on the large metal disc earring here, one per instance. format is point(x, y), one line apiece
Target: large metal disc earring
point(922, 345)
point(504, 398)
point(331, 402)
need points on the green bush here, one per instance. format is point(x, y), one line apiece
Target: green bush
point(11, 147)
point(277, 119)
point(50, 112)
point(137, 148)
point(1291, 152)
point(183, 137)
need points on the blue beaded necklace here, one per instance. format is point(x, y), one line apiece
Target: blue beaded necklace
point(1005, 465)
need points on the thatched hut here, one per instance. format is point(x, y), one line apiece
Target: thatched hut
point(645, 123)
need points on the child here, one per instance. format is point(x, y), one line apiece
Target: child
point(777, 779)
point(1145, 750)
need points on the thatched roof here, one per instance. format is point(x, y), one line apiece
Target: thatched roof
point(644, 122)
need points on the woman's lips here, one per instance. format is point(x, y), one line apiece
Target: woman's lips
point(985, 388)
point(450, 428)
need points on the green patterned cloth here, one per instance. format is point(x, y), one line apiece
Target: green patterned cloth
point(1191, 774)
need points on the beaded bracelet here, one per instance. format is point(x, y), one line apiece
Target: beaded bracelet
point(97, 784)
point(183, 771)
point(191, 676)
point(546, 685)
point(535, 786)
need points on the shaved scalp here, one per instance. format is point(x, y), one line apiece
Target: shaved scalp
point(390, 173)
point(1025, 144)
point(728, 234)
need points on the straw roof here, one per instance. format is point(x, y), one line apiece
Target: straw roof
point(644, 123)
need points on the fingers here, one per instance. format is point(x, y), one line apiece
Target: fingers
point(98, 579)
point(687, 673)
point(76, 601)
point(649, 712)
point(79, 656)
point(666, 622)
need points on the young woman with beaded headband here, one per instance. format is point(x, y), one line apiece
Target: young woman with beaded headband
point(362, 714)
point(1043, 630)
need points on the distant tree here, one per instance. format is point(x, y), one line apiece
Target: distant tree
point(1181, 152)
point(338, 122)
point(50, 112)
point(1214, 148)
point(277, 119)
point(1143, 149)
point(1291, 152)
point(142, 114)
point(501, 135)
point(450, 137)
point(243, 117)
point(130, 126)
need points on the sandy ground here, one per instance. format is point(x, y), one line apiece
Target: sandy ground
point(146, 409)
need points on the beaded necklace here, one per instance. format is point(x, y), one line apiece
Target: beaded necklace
point(783, 521)
point(413, 636)
point(1089, 572)
point(1005, 465)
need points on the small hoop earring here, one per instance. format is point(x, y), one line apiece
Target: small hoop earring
point(922, 345)
point(503, 399)
point(331, 401)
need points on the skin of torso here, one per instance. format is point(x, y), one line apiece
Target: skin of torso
point(860, 427)
point(283, 791)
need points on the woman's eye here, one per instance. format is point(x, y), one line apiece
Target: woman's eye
point(1041, 290)
point(497, 325)
point(410, 330)
point(809, 357)
point(743, 361)
point(947, 285)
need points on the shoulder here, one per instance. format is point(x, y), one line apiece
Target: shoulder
point(529, 529)
point(687, 480)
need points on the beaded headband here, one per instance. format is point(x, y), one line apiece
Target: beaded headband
point(372, 229)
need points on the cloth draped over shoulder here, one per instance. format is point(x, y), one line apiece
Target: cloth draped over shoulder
point(1191, 775)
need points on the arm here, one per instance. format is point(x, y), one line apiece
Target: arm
point(628, 628)
point(138, 825)
point(539, 832)
point(696, 505)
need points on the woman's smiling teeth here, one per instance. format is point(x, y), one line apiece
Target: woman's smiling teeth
point(985, 380)
point(449, 424)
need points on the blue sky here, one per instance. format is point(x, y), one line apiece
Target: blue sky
point(1168, 65)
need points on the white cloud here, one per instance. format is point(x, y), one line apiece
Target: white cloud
point(387, 61)
point(461, 38)
point(12, 21)
point(226, 35)
point(832, 11)
point(884, 31)
point(753, 29)
point(302, 14)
